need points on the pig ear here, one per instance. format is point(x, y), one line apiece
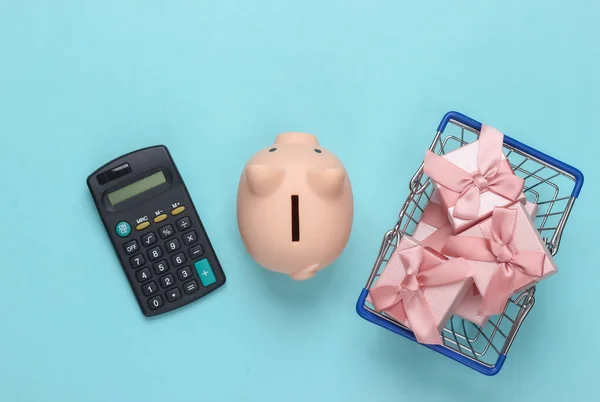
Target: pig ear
point(327, 182)
point(263, 179)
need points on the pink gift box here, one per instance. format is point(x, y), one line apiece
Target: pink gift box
point(433, 228)
point(474, 179)
point(395, 291)
point(470, 305)
point(507, 253)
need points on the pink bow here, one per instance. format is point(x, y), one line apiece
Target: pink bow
point(492, 175)
point(406, 302)
point(499, 248)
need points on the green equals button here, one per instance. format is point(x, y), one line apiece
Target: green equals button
point(205, 272)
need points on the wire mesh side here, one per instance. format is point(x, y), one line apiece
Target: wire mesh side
point(546, 185)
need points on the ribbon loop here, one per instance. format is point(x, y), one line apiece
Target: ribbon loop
point(406, 301)
point(502, 249)
point(488, 177)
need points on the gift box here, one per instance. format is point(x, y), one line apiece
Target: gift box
point(420, 289)
point(469, 307)
point(474, 179)
point(507, 254)
point(433, 228)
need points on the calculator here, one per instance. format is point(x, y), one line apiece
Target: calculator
point(155, 230)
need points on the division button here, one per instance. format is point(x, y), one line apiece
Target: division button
point(160, 218)
point(142, 225)
point(178, 210)
point(173, 294)
point(123, 229)
point(184, 223)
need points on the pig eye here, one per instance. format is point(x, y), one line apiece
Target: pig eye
point(318, 150)
point(272, 149)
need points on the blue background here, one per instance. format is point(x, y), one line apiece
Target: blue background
point(83, 82)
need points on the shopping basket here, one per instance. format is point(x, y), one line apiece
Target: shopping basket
point(550, 183)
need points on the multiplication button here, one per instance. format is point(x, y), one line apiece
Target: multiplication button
point(189, 238)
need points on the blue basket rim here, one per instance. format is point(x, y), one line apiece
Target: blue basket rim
point(468, 121)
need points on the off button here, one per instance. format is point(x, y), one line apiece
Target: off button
point(123, 229)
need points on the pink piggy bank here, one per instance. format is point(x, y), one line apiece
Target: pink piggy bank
point(295, 206)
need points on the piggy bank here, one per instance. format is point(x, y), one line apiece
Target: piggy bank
point(295, 206)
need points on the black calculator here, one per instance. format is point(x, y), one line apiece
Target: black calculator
point(155, 230)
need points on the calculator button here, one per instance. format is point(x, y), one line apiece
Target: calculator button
point(149, 288)
point(189, 238)
point(161, 267)
point(184, 273)
point(172, 245)
point(165, 231)
point(184, 223)
point(143, 275)
point(155, 302)
point(137, 261)
point(155, 253)
point(196, 251)
point(178, 210)
point(149, 239)
point(205, 272)
point(178, 259)
point(190, 287)
point(131, 247)
point(160, 218)
point(167, 281)
point(142, 225)
point(123, 229)
point(173, 294)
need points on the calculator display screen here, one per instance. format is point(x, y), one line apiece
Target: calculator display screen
point(133, 189)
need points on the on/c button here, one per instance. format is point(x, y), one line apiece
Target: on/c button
point(160, 218)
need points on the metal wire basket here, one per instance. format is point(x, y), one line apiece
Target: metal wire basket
point(550, 183)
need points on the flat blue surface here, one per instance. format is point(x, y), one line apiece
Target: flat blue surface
point(83, 82)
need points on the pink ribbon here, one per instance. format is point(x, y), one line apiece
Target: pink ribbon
point(502, 249)
point(436, 216)
point(406, 302)
point(492, 175)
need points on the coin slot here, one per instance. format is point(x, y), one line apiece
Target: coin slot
point(295, 219)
